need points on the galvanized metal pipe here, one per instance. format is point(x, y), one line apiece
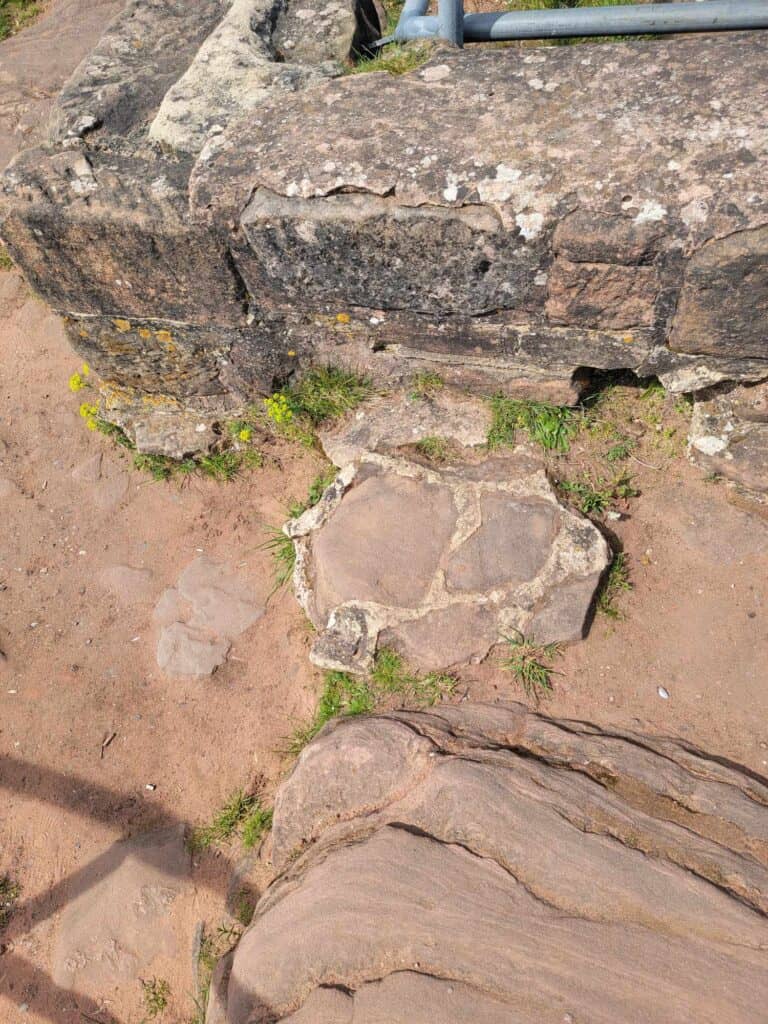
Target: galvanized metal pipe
point(635, 19)
point(450, 15)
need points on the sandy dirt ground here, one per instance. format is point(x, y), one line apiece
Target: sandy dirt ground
point(79, 660)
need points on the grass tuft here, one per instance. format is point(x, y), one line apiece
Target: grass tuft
point(551, 426)
point(595, 497)
point(328, 392)
point(242, 814)
point(283, 555)
point(395, 58)
point(344, 695)
point(212, 948)
point(528, 663)
point(15, 14)
point(9, 893)
point(156, 992)
point(426, 385)
point(6, 263)
point(316, 490)
point(433, 448)
point(616, 582)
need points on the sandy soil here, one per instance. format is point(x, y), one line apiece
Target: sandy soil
point(80, 661)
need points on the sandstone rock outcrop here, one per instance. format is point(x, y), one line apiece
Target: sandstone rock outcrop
point(484, 864)
point(507, 218)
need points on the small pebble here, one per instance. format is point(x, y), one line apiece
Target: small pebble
point(151, 787)
point(663, 693)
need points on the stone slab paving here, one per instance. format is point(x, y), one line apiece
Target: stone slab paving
point(441, 562)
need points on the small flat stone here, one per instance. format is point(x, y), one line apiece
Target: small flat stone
point(448, 636)
point(184, 651)
point(222, 602)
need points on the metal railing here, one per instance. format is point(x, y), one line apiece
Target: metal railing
point(453, 25)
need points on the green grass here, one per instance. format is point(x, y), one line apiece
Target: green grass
point(395, 58)
point(212, 948)
point(326, 393)
point(621, 449)
point(594, 497)
point(617, 582)
point(433, 448)
point(242, 815)
point(345, 696)
point(9, 893)
point(15, 14)
point(6, 263)
point(426, 385)
point(283, 553)
point(551, 426)
point(529, 664)
point(156, 992)
point(256, 824)
point(316, 490)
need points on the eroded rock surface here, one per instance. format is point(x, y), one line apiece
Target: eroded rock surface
point(210, 223)
point(440, 562)
point(198, 619)
point(729, 437)
point(486, 864)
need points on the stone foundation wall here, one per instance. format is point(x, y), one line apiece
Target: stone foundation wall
point(219, 206)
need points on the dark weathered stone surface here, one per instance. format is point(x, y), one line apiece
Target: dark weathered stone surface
point(506, 218)
point(486, 864)
point(440, 562)
point(574, 200)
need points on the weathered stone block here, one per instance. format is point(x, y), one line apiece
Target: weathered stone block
point(723, 306)
point(98, 233)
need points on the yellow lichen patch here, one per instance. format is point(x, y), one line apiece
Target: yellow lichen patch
point(164, 337)
point(343, 318)
point(122, 325)
point(82, 333)
point(145, 333)
point(628, 339)
point(157, 399)
point(291, 353)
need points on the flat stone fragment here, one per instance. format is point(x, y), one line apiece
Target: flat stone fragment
point(481, 864)
point(441, 562)
point(201, 616)
point(119, 924)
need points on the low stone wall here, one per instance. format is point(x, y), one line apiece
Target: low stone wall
point(218, 206)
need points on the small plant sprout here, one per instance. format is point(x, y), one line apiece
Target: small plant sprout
point(156, 992)
point(551, 426)
point(595, 497)
point(616, 582)
point(529, 664)
point(316, 490)
point(9, 893)
point(242, 815)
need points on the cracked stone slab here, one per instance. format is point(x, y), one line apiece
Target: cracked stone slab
point(482, 864)
point(441, 563)
point(201, 616)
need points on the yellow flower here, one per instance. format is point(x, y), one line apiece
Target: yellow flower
point(245, 434)
point(278, 408)
point(291, 353)
point(76, 382)
point(85, 370)
point(88, 410)
point(91, 423)
point(343, 318)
